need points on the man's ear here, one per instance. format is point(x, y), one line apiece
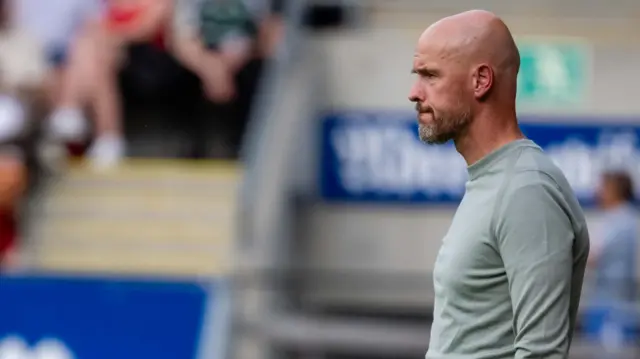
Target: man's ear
point(483, 77)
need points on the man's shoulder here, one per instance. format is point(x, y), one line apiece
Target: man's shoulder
point(534, 174)
point(533, 167)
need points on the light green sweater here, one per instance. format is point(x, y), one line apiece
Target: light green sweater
point(509, 274)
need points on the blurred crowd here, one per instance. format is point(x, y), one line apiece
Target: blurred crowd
point(76, 74)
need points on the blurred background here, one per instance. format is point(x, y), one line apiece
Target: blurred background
point(242, 178)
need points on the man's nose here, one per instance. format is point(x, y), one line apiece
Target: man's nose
point(415, 94)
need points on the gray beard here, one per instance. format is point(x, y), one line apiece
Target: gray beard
point(443, 129)
point(429, 135)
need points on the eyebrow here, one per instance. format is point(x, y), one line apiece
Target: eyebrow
point(424, 70)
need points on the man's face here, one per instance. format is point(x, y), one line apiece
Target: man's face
point(440, 95)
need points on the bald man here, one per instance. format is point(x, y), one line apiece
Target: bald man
point(509, 274)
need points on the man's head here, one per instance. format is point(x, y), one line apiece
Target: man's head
point(616, 187)
point(464, 64)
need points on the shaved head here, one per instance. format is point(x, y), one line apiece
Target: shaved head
point(473, 37)
point(465, 64)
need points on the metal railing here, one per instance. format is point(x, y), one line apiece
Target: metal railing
point(362, 330)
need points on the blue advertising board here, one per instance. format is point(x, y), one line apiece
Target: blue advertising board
point(377, 157)
point(71, 318)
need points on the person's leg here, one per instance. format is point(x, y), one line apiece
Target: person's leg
point(95, 75)
point(69, 88)
point(104, 95)
point(109, 146)
point(89, 80)
point(53, 83)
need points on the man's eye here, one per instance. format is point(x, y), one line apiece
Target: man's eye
point(427, 74)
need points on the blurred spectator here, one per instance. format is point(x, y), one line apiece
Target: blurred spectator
point(96, 57)
point(215, 39)
point(613, 252)
point(611, 317)
point(55, 24)
point(22, 74)
point(224, 42)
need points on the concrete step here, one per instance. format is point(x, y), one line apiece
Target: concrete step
point(148, 217)
point(141, 230)
point(168, 263)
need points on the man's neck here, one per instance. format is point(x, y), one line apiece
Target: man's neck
point(485, 136)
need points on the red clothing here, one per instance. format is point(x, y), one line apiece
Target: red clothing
point(119, 17)
point(8, 233)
